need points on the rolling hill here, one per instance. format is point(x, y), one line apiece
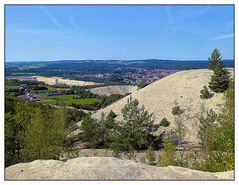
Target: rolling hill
point(159, 97)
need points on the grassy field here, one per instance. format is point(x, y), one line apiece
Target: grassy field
point(11, 84)
point(68, 99)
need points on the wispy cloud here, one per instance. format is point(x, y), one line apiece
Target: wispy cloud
point(223, 36)
point(51, 17)
point(201, 13)
point(170, 18)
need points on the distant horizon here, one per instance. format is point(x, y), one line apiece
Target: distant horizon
point(109, 60)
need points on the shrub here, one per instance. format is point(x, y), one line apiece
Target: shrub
point(219, 140)
point(169, 152)
point(142, 84)
point(131, 153)
point(150, 156)
point(164, 122)
point(207, 124)
point(205, 93)
point(176, 110)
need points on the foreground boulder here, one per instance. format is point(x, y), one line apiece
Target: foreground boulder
point(105, 168)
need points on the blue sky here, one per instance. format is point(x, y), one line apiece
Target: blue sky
point(36, 33)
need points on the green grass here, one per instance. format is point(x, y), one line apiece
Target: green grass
point(68, 99)
point(48, 102)
point(11, 84)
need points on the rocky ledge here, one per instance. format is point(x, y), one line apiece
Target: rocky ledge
point(105, 168)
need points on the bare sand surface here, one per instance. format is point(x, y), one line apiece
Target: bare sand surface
point(159, 97)
point(52, 81)
point(116, 89)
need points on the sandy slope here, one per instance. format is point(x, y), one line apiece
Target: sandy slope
point(52, 81)
point(116, 89)
point(104, 168)
point(158, 98)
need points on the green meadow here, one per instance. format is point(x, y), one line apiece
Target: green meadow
point(69, 99)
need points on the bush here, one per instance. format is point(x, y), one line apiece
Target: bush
point(176, 110)
point(205, 93)
point(131, 153)
point(220, 138)
point(164, 122)
point(150, 156)
point(169, 152)
point(142, 84)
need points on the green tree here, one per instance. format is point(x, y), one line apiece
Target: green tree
point(16, 123)
point(150, 156)
point(168, 153)
point(220, 143)
point(220, 79)
point(142, 84)
point(214, 59)
point(207, 124)
point(221, 157)
point(131, 153)
point(44, 135)
point(109, 125)
point(164, 122)
point(204, 93)
point(11, 142)
point(90, 131)
point(176, 110)
point(179, 132)
point(137, 124)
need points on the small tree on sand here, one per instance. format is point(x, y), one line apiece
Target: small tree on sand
point(204, 93)
point(220, 79)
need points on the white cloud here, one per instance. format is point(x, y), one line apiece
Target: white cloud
point(51, 17)
point(224, 36)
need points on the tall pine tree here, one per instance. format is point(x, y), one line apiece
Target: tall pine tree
point(220, 79)
point(214, 59)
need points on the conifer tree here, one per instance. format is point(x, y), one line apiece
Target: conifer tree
point(44, 135)
point(90, 131)
point(150, 156)
point(220, 79)
point(204, 93)
point(137, 124)
point(214, 59)
point(207, 124)
point(169, 152)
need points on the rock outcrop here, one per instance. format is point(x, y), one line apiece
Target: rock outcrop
point(105, 168)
